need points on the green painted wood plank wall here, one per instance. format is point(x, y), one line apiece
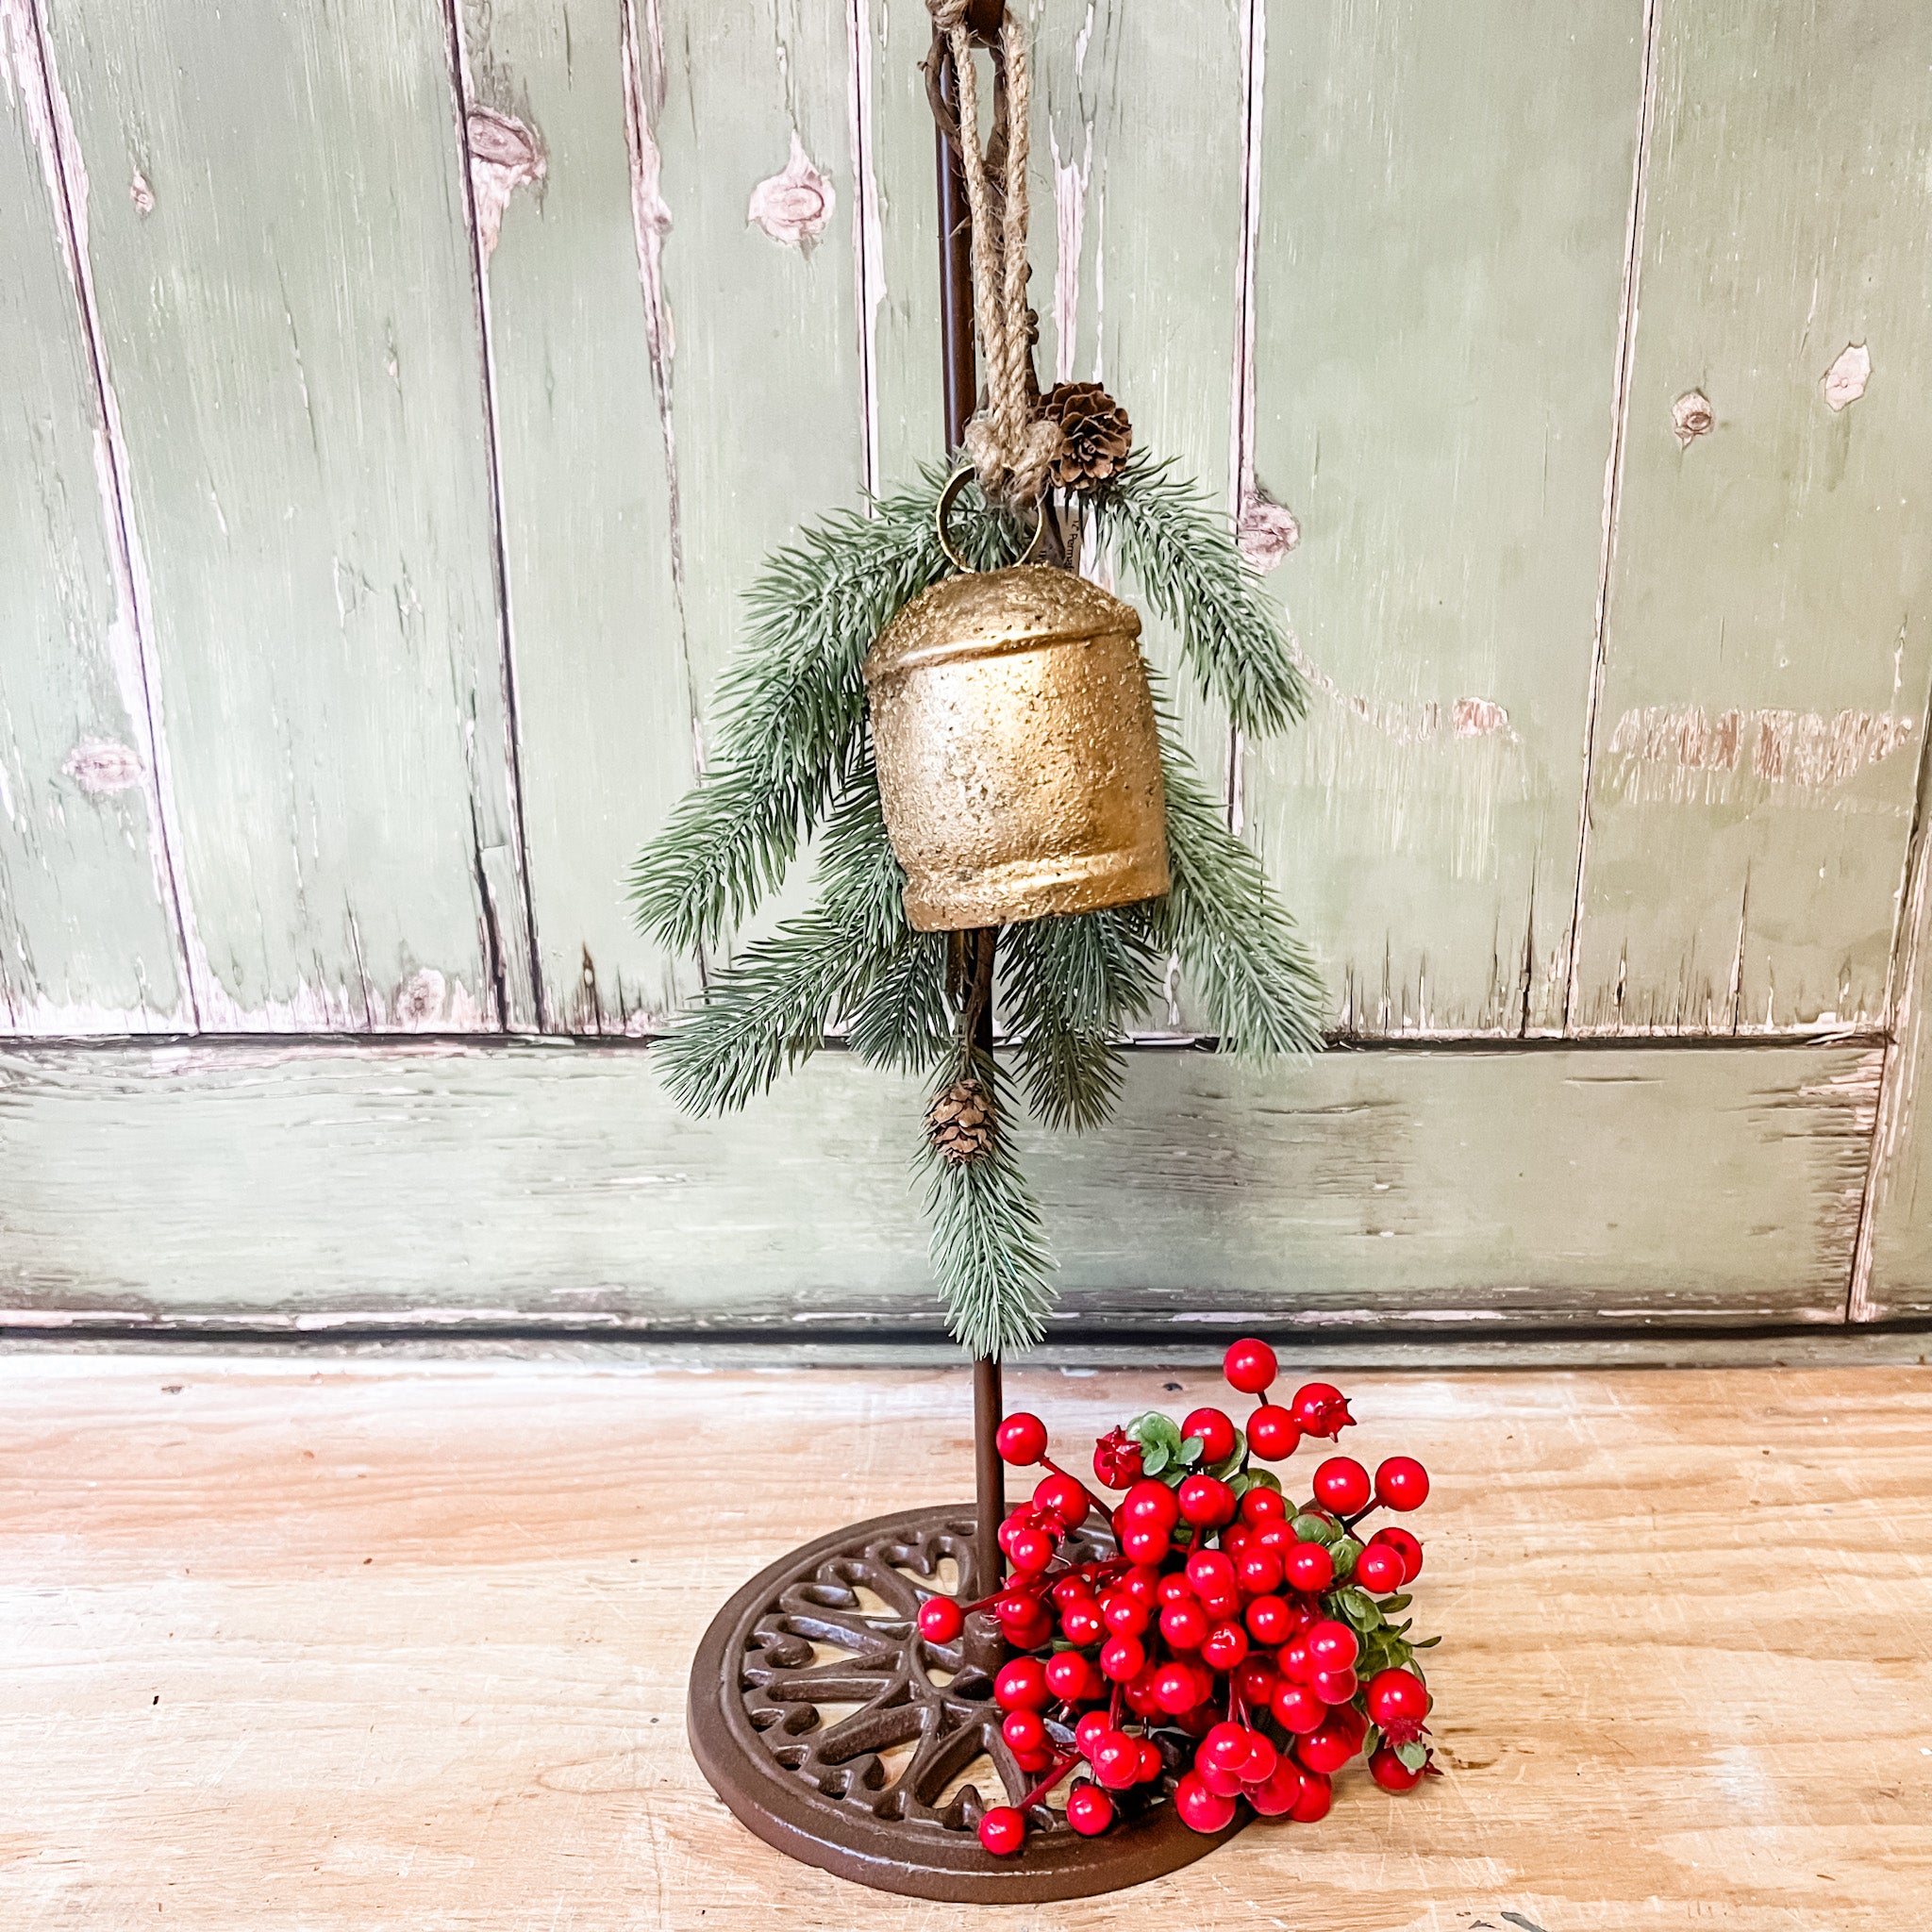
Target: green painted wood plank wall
point(396, 399)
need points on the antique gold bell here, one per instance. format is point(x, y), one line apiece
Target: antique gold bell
point(1018, 760)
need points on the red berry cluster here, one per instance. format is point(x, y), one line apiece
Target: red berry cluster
point(1232, 1627)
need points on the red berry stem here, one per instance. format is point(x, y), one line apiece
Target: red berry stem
point(1062, 1761)
point(1348, 1522)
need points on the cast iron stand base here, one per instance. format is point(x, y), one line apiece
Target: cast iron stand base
point(837, 1794)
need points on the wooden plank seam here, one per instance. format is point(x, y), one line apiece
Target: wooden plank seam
point(1613, 483)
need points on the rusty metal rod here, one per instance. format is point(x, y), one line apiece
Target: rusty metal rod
point(959, 389)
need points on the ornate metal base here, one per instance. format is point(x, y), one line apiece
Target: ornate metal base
point(869, 1795)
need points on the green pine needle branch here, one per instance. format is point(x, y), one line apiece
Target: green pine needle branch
point(1166, 535)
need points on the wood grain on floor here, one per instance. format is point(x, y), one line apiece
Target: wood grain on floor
point(403, 1645)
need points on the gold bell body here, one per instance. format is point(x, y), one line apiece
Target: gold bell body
point(1018, 758)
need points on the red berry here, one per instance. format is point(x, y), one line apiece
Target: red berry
point(1249, 1366)
point(1067, 1499)
point(1174, 1588)
point(1353, 1724)
point(1021, 1441)
point(1215, 1428)
point(1341, 1484)
point(1226, 1746)
point(1320, 1408)
point(1391, 1772)
point(1263, 1758)
point(1140, 1543)
point(1311, 1566)
point(1379, 1568)
point(1262, 1506)
point(1396, 1697)
point(1294, 1661)
point(1401, 1483)
point(1209, 1573)
point(1224, 1646)
point(1276, 1794)
point(1200, 1808)
point(1072, 1589)
point(1223, 1784)
point(1332, 1646)
point(1122, 1657)
point(1024, 1731)
point(1257, 1677)
point(1089, 1810)
point(1220, 1605)
point(1140, 1695)
point(1117, 1459)
point(1031, 1550)
point(1298, 1709)
point(1023, 1622)
point(1071, 1677)
point(1206, 1501)
point(1152, 1502)
point(1404, 1545)
point(1236, 1540)
point(1326, 1748)
point(1278, 1536)
point(1150, 1760)
point(1082, 1622)
point(1117, 1761)
point(1092, 1726)
point(1258, 1573)
point(1002, 1831)
point(1274, 1435)
point(1270, 1620)
point(940, 1620)
point(1124, 1615)
point(1034, 1762)
point(1184, 1624)
point(1175, 1688)
point(1140, 1583)
point(1311, 1805)
point(1334, 1686)
point(1022, 1684)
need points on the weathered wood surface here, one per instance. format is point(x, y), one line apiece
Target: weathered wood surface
point(279, 246)
point(89, 941)
point(1435, 323)
point(344, 1647)
point(1766, 660)
point(679, 382)
point(314, 1185)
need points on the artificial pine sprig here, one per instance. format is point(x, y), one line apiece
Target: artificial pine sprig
point(794, 757)
point(1177, 547)
point(989, 1247)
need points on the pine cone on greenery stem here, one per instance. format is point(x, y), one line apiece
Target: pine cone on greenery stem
point(1096, 435)
point(961, 1123)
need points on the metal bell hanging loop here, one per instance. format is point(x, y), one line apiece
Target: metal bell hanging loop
point(1019, 762)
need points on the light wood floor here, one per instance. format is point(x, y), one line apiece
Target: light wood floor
point(346, 1645)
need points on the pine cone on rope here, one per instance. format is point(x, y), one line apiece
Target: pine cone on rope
point(1097, 436)
point(961, 1123)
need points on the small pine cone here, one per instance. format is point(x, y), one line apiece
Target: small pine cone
point(1097, 436)
point(960, 1124)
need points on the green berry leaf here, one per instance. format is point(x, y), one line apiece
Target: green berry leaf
point(1413, 1755)
point(1313, 1529)
point(1154, 1460)
point(1423, 1644)
point(1154, 1429)
point(1261, 1479)
point(1191, 1451)
point(1359, 1607)
point(1394, 1605)
point(1371, 1737)
point(1344, 1549)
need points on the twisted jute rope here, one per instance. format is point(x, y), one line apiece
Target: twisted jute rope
point(1010, 446)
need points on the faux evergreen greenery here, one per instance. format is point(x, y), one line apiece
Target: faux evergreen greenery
point(795, 759)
